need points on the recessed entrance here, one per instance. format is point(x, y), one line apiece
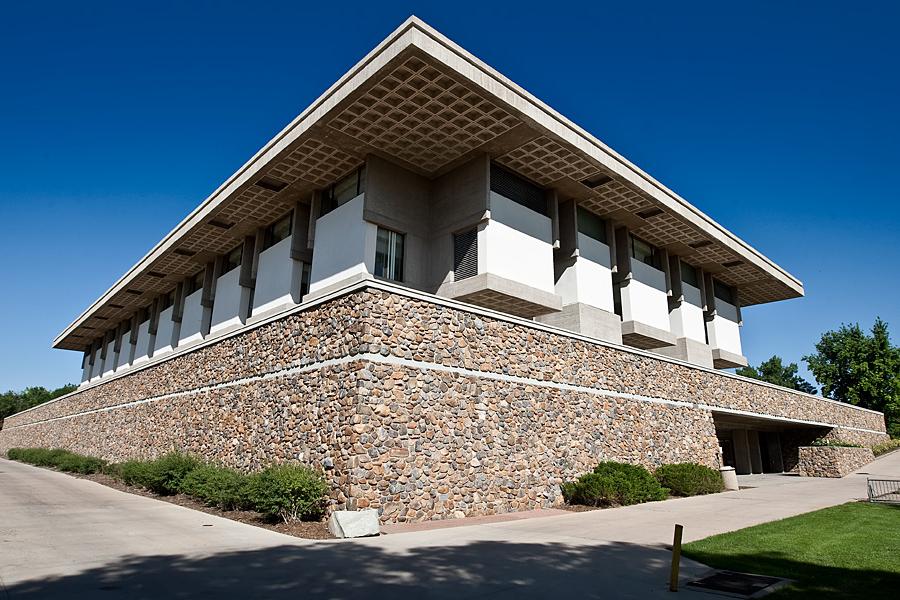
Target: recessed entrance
point(759, 445)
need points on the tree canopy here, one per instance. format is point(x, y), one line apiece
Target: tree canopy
point(13, 402)
point(861, 369)
point(775, 371)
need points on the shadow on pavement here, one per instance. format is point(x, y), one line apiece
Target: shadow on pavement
point(354, 570)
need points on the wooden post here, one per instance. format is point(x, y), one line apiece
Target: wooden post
point(676, 559)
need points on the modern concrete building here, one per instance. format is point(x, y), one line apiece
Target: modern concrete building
point(426, 173)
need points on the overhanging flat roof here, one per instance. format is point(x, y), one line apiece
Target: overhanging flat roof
point(423, 102)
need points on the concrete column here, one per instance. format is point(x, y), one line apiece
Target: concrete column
point(315, 207)
point(248, 255)
point(567, 227)
point(741, 444)
point(709, 294)
point(756, 463)
point(623, 254)
point(553, 213)
point(300, 249)
point(676, 292)
point(210, 274)
point(664, 265)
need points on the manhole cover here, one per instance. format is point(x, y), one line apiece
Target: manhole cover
point(738, 585)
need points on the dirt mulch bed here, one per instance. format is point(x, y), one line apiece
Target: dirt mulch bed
point(312, 530)
point(579, 507)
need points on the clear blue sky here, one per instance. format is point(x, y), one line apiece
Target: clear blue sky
point(778, 119)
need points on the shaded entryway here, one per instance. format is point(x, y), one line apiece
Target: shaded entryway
point(753, 444)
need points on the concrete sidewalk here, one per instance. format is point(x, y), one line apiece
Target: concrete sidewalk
point(66, 537)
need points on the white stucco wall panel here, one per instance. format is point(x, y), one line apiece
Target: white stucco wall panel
point(230, 302)
point(589, 279)
point(86, 369)
point(109, 364)
point(644, 299)
point(723, 330)
point(192, 319)
point(123, 361)
point(277, 278)
point(145, 342)
point(687, 319)
point(344, 246)
point(517, 245)
point(520, 218)
point(165, 333)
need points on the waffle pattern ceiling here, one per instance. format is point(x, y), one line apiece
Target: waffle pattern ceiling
point(419, 112)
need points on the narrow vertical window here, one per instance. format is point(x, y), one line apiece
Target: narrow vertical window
point(389, 255)
point(465, 254)
point(644, 252)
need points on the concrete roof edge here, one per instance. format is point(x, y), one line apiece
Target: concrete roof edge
point(238, 178)
point(402, 37)
point(631, 168)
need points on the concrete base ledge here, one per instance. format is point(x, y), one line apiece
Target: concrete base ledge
point(690, 351)
point(499, 293)
point(587, 320)
point(723, 359)
point(646, 337)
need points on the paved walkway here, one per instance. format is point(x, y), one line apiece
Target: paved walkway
point(63, 537)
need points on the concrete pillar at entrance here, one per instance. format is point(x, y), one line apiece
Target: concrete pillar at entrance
point(755, 451)
point(741, 451)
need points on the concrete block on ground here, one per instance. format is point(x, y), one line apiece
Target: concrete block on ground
point(354, 523)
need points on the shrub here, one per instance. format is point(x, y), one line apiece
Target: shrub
point(614, 484)
point(131, 472)
point(290, 492)
point(834, 444)
point(217, 486)
point(165, 474)
point(77, 463)
point(689, 479)
point(15, 454)
point(879, 449)
point(57, 458)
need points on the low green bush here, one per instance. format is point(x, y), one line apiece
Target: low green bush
point(614, 484)
point(165, 474)
point(217, 486)
point(885, 447)
point(289, 492)
point(57, 458)
point(131, 472)
point(689, 479)
point(834, 444)
point(77, 463)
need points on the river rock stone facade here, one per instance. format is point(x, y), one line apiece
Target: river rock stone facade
point(416, 407)
point(832, 461)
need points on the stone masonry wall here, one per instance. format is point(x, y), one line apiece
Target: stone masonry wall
point(832, 461)
point(417, 409)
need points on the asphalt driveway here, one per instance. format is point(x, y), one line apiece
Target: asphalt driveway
point(63, 537)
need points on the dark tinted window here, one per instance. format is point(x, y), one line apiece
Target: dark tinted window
point(591, 225)
point(517, 189)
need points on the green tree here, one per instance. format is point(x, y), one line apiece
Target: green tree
point(13, 402)
point(861, 369)
point(774, 371)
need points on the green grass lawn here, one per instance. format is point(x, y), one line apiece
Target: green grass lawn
point(847, 551)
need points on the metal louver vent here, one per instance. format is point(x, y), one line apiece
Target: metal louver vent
point(517, 189)
point(465, 254)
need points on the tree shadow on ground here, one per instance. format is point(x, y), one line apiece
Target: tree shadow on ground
point(365, 570)
point(477, 569)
